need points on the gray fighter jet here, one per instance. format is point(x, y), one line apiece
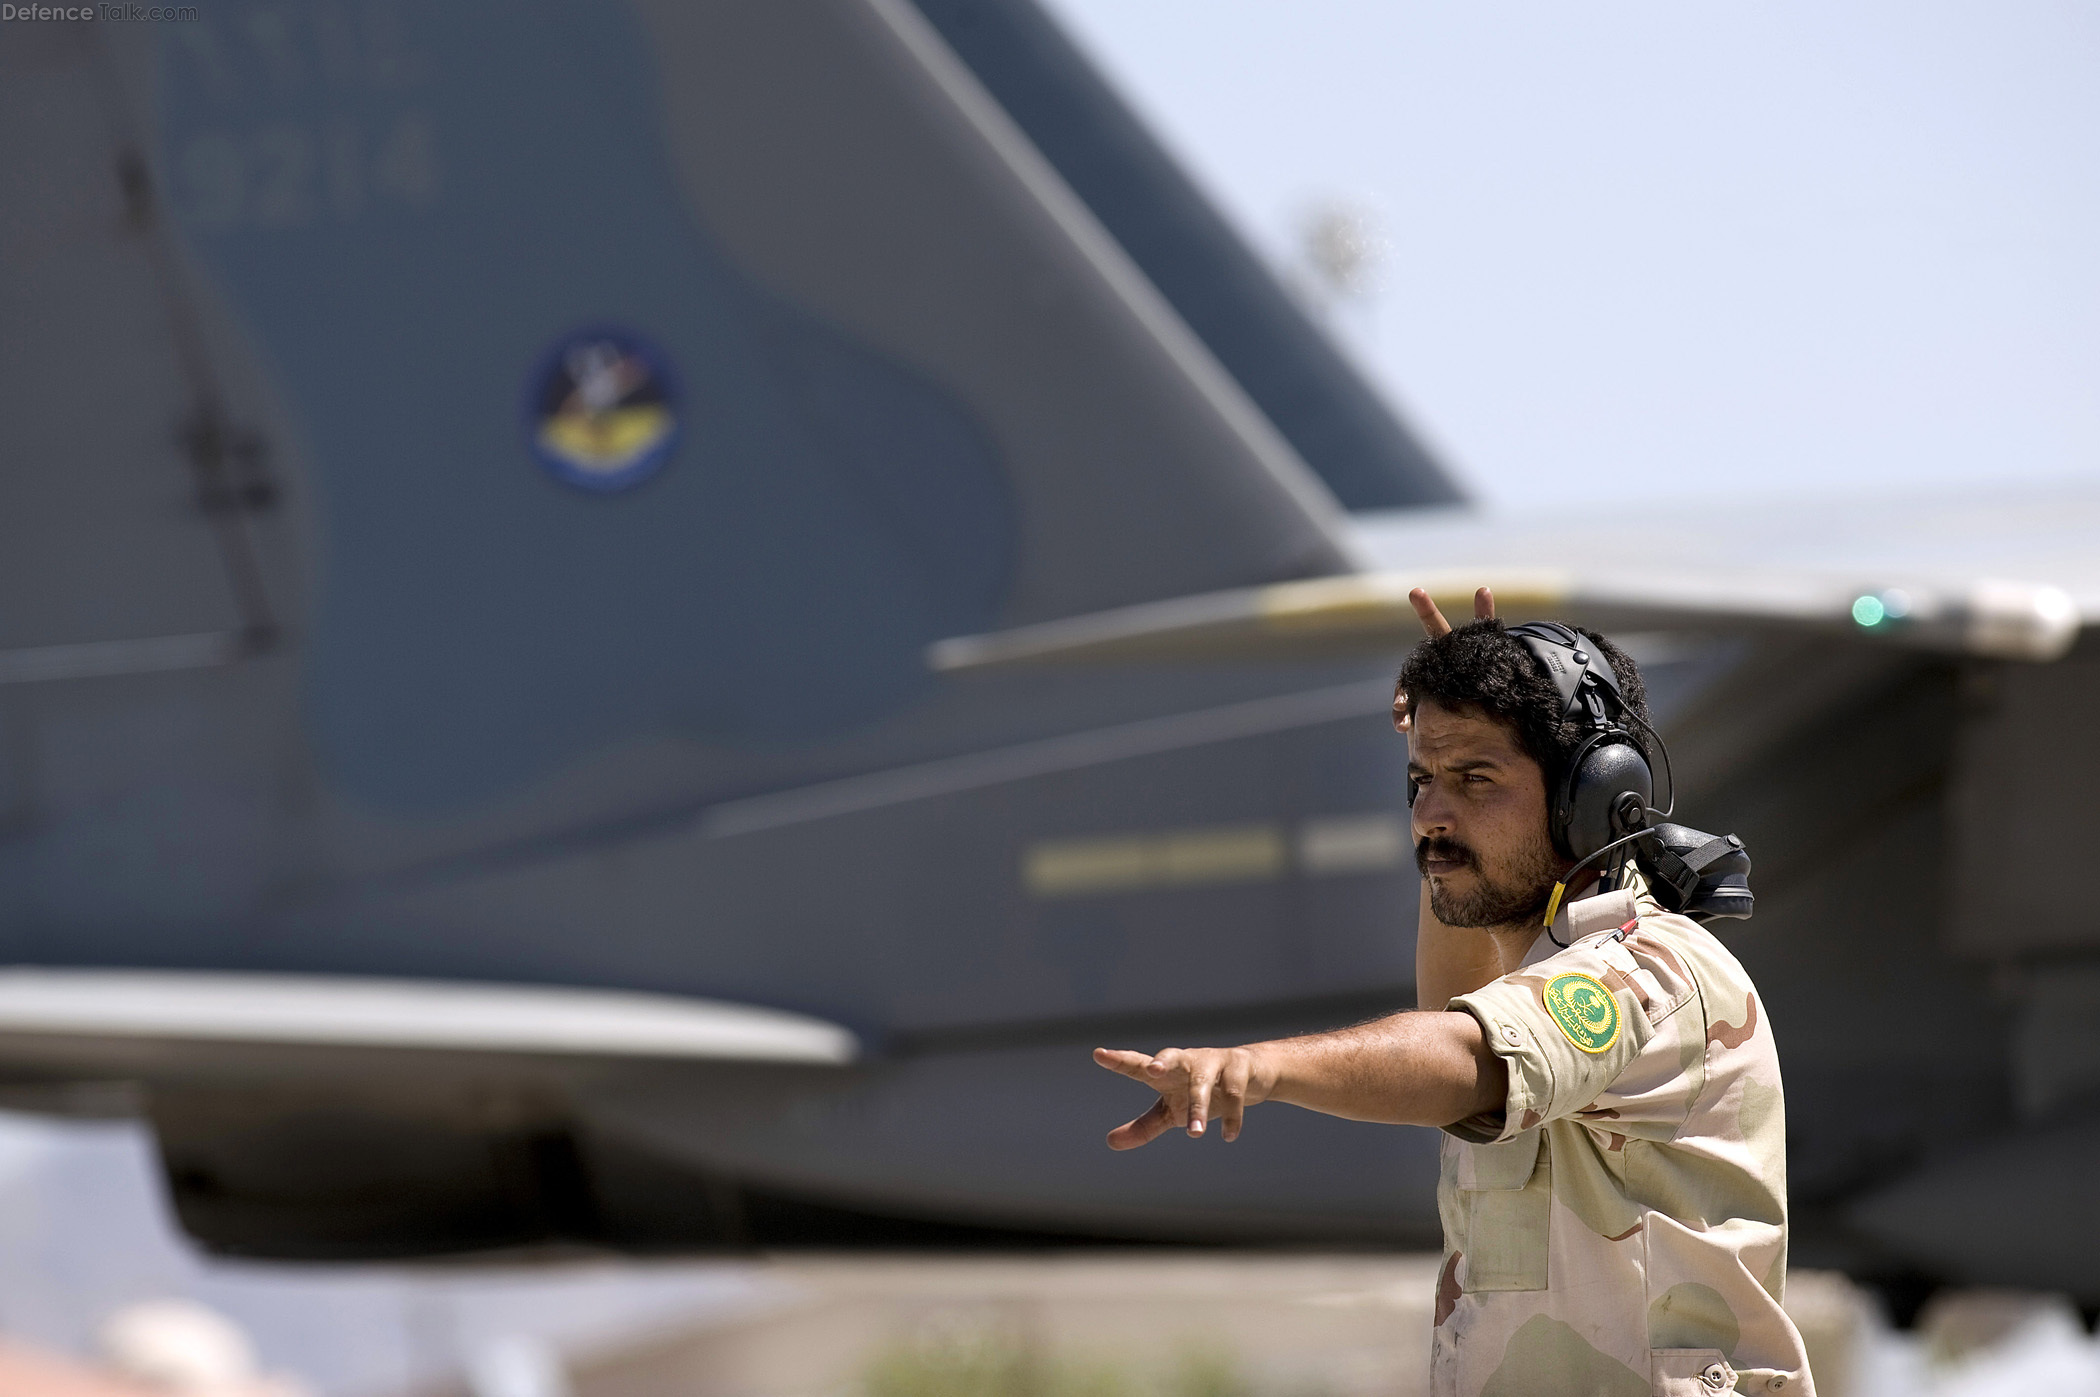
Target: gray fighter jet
point(636, 624)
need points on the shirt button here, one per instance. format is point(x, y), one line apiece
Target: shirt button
point(1510, 1034)
point(1715, 1377)
point(1778, 1382)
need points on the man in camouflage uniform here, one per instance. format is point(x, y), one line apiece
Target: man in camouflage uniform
point(1614, 1173)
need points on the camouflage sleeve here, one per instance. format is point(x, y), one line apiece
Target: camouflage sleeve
point(1590, 1031)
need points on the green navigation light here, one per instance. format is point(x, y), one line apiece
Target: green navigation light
point(1869, 611)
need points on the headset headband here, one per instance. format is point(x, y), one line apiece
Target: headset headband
point(1584, 677)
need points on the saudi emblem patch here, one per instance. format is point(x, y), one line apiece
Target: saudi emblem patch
point(603, 411)
point(1587, 1012)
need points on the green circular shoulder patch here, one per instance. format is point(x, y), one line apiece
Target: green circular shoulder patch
point(1587, 1012)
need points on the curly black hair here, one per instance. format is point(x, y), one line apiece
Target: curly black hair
point(1480, 668)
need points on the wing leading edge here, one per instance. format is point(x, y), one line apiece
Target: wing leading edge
point(66, 1007)
point(1369, 613)
point(1995, 576)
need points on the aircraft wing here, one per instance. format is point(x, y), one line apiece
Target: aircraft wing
point(2002, 579)
point(98, 1020)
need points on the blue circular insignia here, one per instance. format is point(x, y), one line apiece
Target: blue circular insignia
point(602, 410)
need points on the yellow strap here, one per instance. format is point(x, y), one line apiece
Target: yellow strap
point(1553, 902)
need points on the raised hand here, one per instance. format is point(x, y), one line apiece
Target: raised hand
point(1194, 1085)
point(1434, 625)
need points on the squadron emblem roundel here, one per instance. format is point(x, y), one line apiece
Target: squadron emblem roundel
point(1584, 1009)
point(602, 410)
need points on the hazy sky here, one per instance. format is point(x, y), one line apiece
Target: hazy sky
point(1676, 249)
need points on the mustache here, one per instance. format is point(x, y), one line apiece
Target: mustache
point(1443, 848)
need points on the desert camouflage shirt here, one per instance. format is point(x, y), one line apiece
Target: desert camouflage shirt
point(1620, 1228)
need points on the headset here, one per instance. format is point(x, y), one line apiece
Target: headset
point(1601, 802)
point(1605, 788)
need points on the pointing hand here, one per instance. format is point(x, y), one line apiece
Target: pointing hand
point(1194, 1084)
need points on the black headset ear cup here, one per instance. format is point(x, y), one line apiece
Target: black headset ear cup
point(1590, 812)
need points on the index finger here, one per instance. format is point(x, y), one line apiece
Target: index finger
point(1432, 617)
point(1426, 611)
point(1123, 1060)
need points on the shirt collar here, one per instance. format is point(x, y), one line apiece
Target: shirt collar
point(1587, 916)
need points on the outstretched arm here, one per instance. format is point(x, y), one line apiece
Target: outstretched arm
point(1408, 1069)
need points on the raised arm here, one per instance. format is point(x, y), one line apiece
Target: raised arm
point(1449, 960)
point(1408, 1069)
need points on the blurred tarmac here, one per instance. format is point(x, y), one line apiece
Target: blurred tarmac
point(1237, 1324)
point(85, 1237)
point(1103, 1322)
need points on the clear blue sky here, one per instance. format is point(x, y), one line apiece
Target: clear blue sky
point(1789, 247)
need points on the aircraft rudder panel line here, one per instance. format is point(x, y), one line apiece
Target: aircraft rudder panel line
point(141, 525)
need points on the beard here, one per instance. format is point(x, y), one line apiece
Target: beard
point(1514, 893)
